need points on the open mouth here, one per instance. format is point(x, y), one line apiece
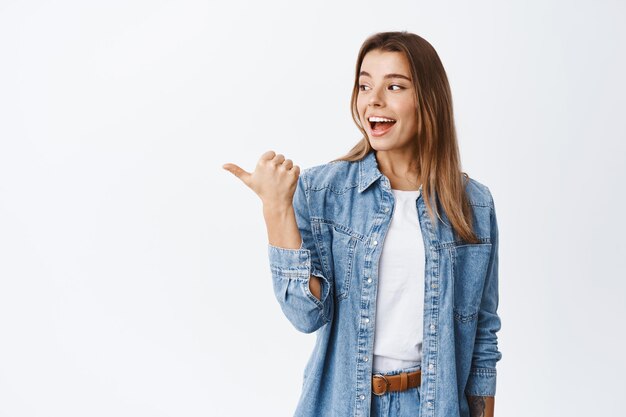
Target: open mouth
point(380, 125)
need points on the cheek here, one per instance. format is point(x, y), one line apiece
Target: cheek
point(360, 104)
point(411, 118)
point(409, 115)
point(360, 108)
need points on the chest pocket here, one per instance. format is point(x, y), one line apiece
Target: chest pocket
point(469, 269)
point(339, 245)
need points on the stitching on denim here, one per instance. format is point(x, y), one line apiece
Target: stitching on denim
point(339, 227)
point(461, 317)
point(483, 371)
point(317, 302)
point(288, 250)
point(329, 273)
point(338, 191)
point(479, 204)
point(464, 318)
point(459, 243)
point(289, 273)
point(350, 265)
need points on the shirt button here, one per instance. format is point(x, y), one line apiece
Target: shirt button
point(365, 359)
point(386, 209)
point(367, 320)
point(369, 280)
point(434, 285)
point(430, 404)
point(375, 242)
point(362, 397)
point(432, 327)
point(431, 366)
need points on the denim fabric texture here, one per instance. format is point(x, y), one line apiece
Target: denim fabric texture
point(343, 210)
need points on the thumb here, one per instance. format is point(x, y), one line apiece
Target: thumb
point(237, 171)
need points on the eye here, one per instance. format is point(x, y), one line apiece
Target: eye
point(361, 87)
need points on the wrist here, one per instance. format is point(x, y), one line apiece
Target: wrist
point(276, 209)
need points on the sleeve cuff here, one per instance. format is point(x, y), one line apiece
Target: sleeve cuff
point(296, 264)
point(287, 263)
point(481, 382)
point(291, 268)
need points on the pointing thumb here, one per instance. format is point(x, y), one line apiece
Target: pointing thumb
point(239, 172)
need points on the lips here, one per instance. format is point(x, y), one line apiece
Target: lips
point(378, 129)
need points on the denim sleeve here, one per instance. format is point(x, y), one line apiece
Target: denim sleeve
point(482, 378)
point(291, 270)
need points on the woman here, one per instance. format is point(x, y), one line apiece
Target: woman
point(389, 253)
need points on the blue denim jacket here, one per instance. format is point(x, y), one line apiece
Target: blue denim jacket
point(343, 210)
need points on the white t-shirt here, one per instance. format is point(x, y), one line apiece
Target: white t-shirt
point(400, 298)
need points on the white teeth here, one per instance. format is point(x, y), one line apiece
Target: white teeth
point(380, 119)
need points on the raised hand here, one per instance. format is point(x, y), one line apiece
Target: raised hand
point(274, 179)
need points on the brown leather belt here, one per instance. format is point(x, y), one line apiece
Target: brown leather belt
point(400, 382)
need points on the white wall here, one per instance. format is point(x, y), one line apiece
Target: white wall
point(134, 278)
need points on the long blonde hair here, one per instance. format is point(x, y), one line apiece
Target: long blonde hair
point(438, 159)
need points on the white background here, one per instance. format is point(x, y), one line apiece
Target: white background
point(134, 278)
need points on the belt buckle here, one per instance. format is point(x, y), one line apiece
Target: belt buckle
point(387, 383)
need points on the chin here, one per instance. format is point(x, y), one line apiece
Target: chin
point(379, 145)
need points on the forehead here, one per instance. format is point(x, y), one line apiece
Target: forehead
point(378, 63)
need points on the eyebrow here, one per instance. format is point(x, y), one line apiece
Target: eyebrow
point(365, 73)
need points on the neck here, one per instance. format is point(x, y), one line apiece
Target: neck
point(400, 168)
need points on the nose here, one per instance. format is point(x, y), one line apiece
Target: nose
point(375, 97)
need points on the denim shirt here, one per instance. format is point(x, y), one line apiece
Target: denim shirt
point(343, 210)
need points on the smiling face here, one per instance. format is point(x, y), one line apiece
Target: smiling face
point(386, 90)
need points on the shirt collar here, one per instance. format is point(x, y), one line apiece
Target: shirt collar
point(368, 170)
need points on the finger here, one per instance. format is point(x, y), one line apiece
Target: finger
point(237, 171)
point(269, 155)
point(278, 159)
point(288, 164)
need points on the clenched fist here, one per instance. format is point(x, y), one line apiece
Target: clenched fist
point(274, 179)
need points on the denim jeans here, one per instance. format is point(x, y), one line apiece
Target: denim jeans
point(397, 403)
